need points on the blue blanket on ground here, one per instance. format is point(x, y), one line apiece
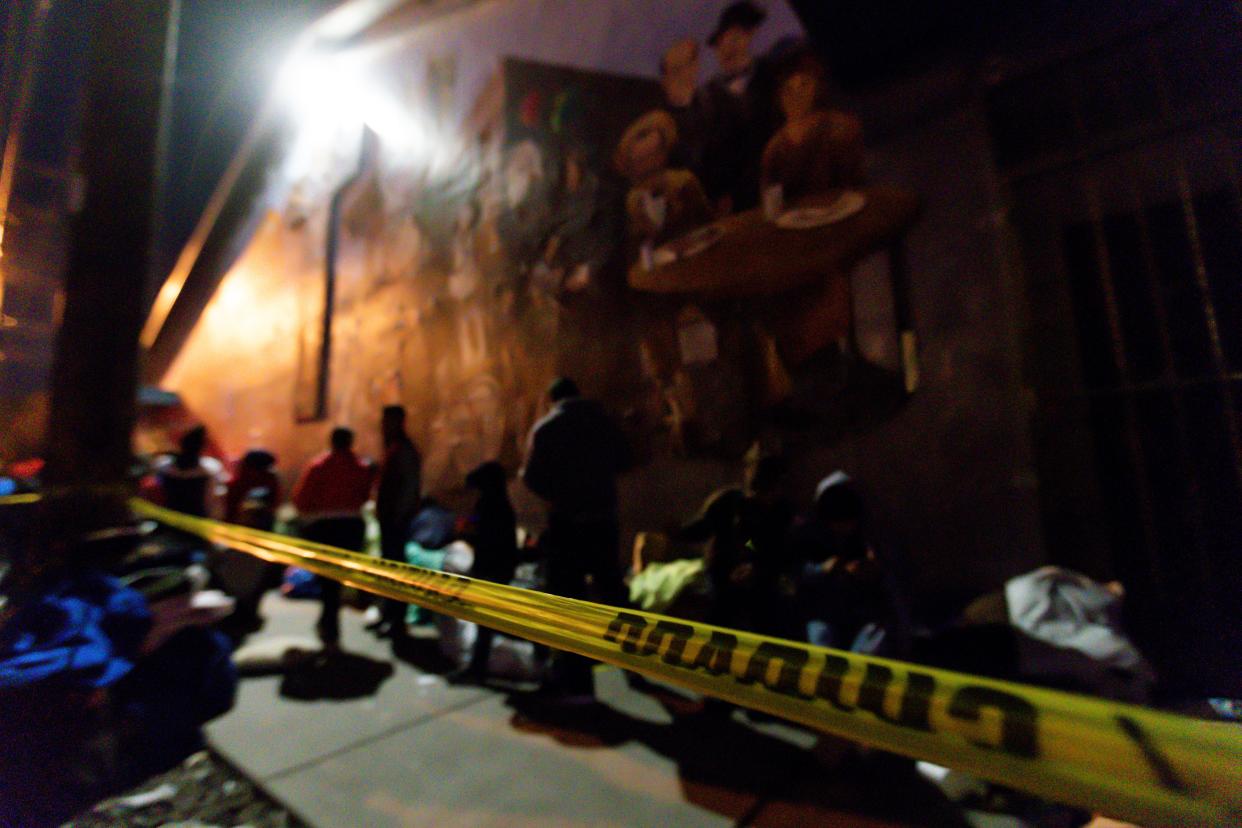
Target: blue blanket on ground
point(86, 631)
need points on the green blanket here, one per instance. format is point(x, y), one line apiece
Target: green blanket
point(659, 585)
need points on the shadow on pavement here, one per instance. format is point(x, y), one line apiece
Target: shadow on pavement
point(744, 774)
point(423, 653)
point(310, 676)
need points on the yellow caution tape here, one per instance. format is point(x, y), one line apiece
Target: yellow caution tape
point(19, 499)
point(1121, 760)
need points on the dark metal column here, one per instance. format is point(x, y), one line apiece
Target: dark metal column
point(94, 378)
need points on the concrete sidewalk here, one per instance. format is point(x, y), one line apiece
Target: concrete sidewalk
point(384, 741)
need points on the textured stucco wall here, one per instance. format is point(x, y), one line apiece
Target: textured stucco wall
point(948, 472)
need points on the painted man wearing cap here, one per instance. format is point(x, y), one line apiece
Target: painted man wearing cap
point(738, 110)
point(679, 78)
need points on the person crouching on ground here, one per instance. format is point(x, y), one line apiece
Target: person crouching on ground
point(745, 530)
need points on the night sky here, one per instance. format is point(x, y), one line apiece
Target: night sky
point(228, 55)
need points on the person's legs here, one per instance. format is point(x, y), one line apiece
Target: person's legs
point(820, 633)
point(597, 543)
point(328, 627)
point(583, 565)
point(572, 675)
point(167, 696)
point(482, 650)
point(568, 674)
point(776, 615)
point(343, 533)
point(392, 611)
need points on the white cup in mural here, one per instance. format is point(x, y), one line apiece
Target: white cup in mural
point(773, 201)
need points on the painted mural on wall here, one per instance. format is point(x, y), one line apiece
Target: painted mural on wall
point(679, 243)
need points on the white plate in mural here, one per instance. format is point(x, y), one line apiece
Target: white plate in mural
point(691, 244)
point(803, 218)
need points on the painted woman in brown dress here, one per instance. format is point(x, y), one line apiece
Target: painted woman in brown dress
point(818, 150)
point(815, 155)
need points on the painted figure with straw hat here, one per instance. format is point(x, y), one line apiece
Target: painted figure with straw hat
point(663, 202)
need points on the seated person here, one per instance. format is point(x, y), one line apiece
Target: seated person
point(844, 595)
point(255, 471)
point(1052, 627)
point(102, 684)
point(746, 531)
point(188, 481)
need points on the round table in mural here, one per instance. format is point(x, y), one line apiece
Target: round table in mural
point(755, 260)
point(755, 257)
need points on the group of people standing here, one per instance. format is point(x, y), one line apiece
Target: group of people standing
point(575, 453)
point(772, 571)
point(815, 575)
point(330, 497)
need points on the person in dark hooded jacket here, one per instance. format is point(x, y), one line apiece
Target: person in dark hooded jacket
point(745, 530)
point(845, 595)
point(574, 457)
point(187, 480)
point(492, 531)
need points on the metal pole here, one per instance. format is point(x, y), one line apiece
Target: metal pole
point(94, 376)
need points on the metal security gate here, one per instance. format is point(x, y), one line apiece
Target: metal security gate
point(1121, 171)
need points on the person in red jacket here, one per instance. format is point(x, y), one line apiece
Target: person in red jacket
point(329, 499)
point(254, 472)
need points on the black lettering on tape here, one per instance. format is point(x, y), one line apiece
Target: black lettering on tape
point(1159, 764)
point(1018, 718)
point(716, 656)
point(457, 585)
point(828, 685)
point(791, 661)
point(915, 698)
point(678, 635)
point(439, 585)
point(632, 625)
point(426, 590)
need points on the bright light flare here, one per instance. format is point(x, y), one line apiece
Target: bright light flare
point(330, 95)
point(321, 88)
